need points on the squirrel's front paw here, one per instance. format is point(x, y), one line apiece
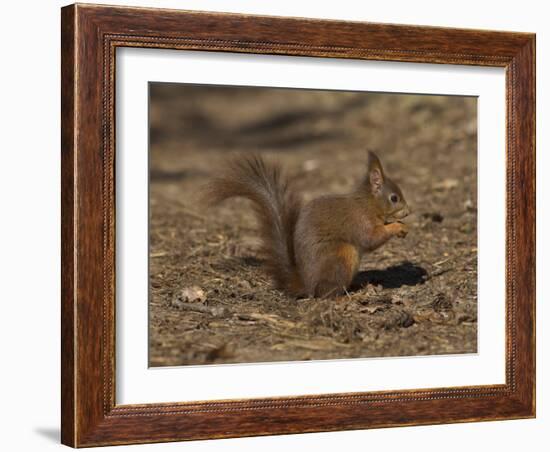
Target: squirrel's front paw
point(403, 230)
point(398, 229)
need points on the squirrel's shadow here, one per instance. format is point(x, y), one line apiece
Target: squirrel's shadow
point(404, 274)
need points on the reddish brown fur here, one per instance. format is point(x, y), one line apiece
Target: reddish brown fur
point(313, 250)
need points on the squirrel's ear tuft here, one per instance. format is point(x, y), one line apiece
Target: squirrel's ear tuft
point(375, 173)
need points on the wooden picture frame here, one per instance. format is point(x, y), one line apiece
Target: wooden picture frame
point(90, 36)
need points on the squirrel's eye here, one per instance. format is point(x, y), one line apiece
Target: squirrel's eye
point(394, 198)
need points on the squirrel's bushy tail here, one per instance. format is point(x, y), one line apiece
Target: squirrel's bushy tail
point(276, 206)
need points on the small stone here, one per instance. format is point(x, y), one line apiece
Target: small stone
point(399, 319)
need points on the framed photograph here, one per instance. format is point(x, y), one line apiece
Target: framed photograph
point(281, 225)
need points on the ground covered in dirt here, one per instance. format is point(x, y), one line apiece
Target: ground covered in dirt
point(210, 302)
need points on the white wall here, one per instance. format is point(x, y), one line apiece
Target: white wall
point(29, 224)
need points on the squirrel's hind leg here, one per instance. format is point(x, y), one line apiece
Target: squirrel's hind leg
point(335, 270)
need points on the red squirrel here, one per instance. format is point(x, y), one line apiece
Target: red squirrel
point(314, 249)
